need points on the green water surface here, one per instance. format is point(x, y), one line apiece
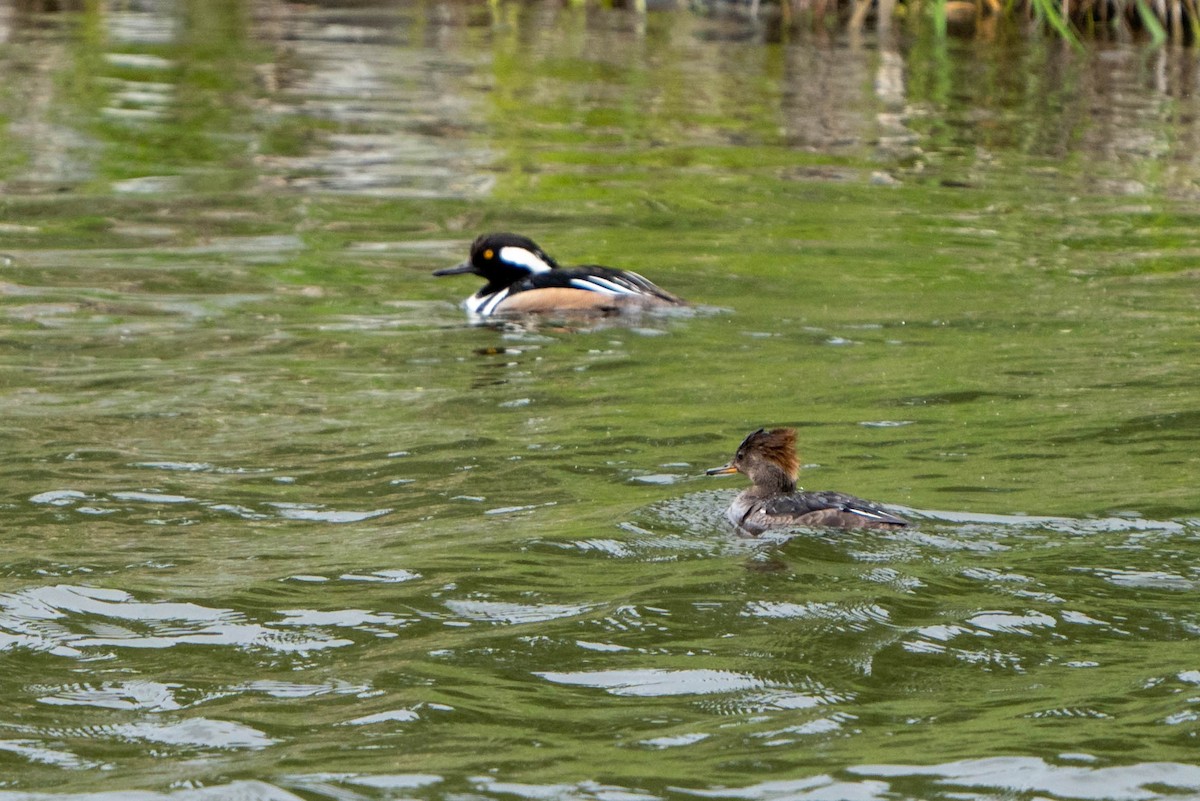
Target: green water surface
point(280, 523)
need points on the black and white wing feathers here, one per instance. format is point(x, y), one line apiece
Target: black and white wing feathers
point(799, 505)
point(594, 278)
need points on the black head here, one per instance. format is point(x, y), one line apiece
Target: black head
point(768, 458)
point(503, 259)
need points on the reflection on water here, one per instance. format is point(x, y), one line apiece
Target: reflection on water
point(395, 122)
point(387, 103)
point(972, 779)
point(280, 524)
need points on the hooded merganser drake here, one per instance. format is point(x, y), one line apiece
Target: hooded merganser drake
point(523, 279)
point(769, 459)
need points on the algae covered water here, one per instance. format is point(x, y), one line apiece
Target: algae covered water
point(280, 523)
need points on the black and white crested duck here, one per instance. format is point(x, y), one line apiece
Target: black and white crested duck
point(523, 279)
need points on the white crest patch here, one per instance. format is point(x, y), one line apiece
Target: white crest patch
point(520, 257)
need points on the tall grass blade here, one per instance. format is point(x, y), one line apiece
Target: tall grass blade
point(1062, 26)
point(1158, 34)
point(938, 9)
point(1192, 15)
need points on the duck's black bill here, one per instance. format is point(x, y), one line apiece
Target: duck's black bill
point(723, 470)
point(458, 269)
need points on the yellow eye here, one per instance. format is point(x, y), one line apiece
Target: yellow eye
point(487, 254)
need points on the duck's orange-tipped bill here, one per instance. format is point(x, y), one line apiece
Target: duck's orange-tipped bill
point(723, 470)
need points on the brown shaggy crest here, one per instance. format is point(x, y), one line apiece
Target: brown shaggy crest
point(778, 446)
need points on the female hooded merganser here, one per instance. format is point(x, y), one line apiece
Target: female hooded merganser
point(523, 279)
point(769, 459)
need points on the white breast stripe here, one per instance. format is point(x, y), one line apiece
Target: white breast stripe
point(520, 257)
point(495, 301)
point(483, 305)
point(473, 303)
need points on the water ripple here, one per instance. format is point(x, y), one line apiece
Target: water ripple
point(812, 788)
point(674, 741)
point(35, 751)
point(42, 619)
point(1035, 775)
point(141, 695)
point(855, 615)
point(196, 732)
point(502, 612)
point(659, 682)
point(582, 791)
point(246, 790)
point(1147, 579)
point(1008, 623)
point(115, 501)
point(324, 782)
point(390, 716)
